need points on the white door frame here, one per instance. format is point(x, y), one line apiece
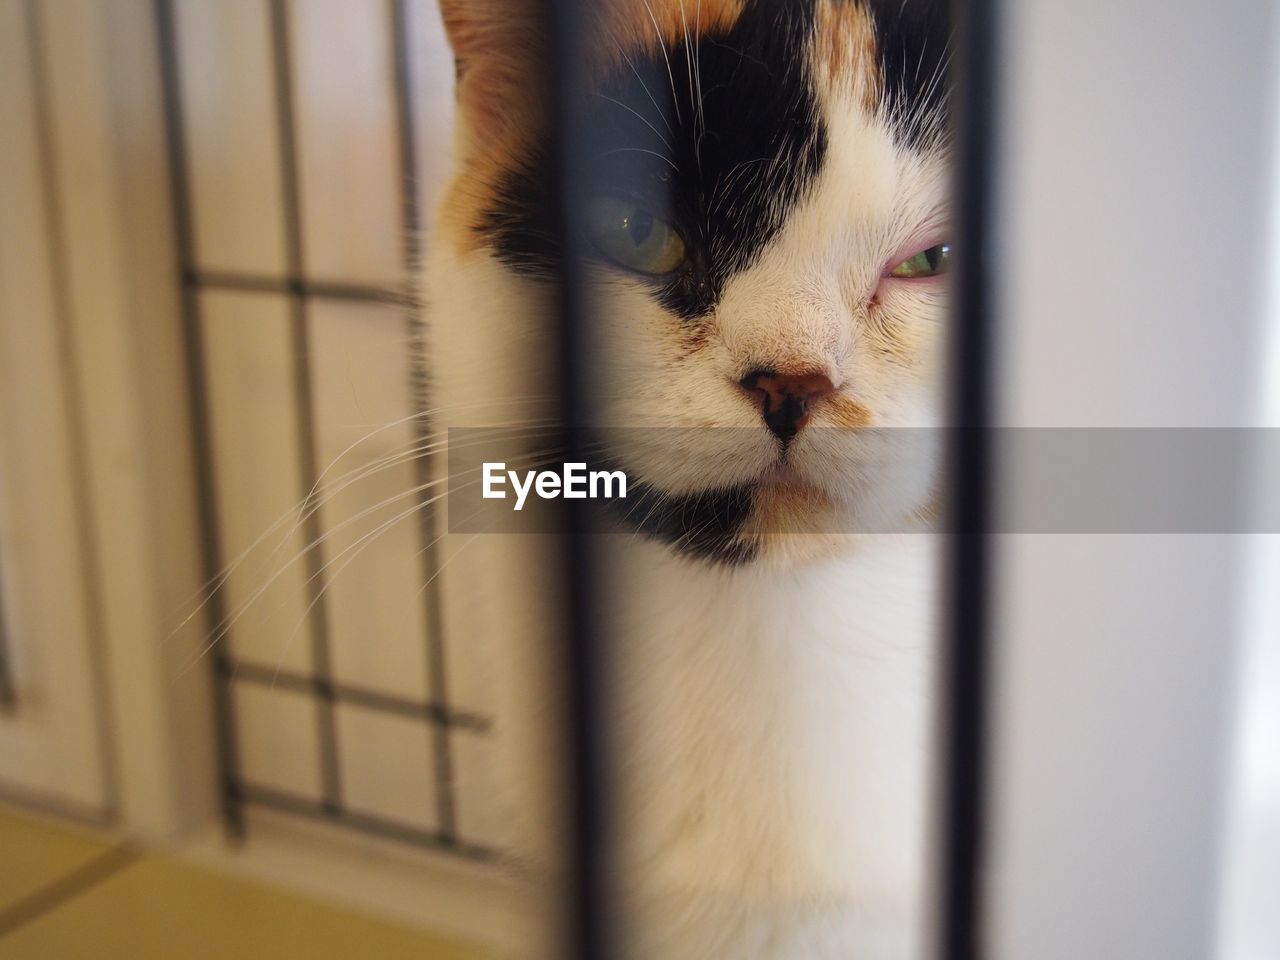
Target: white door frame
point(50, 749)
point(114, 291)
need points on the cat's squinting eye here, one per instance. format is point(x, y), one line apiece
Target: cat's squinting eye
point(931, 262)
point(632, 237)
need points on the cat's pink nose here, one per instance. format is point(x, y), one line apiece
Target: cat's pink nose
point(786, 399)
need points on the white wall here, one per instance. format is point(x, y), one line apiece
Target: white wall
point(1131, 281)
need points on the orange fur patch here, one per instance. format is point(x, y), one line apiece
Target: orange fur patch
point(500, 48)
point(845, 51)
point(624, 26)
point(930, 515)
point(789, 508)
point(841, 411)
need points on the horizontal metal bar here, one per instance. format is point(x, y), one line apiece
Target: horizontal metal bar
point(428, 710)
point(388, 829)
point(314, 290)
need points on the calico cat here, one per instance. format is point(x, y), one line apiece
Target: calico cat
point(767, 219)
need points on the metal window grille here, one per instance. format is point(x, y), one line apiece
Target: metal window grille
point(233, 672)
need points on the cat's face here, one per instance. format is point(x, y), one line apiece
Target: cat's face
point(767, 213)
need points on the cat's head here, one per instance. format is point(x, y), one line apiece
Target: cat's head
point(767, 216)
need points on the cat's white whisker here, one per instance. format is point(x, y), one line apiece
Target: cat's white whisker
point(662, 45)
point(223, 628)
point(358, 548)
point(365, 541)
point(652, 153)
point(688, 65)
point(311, 506)
point(301, 512)
point(700, 112)
point(643, 86)
point(440, 568)
point(422, 414)
point(724, 188)
point(638, 116)
point(200, 596)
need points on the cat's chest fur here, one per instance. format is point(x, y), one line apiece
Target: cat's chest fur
point(767, 733)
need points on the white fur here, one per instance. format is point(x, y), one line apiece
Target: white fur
point(771, 730)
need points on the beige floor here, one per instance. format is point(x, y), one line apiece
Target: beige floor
point(67, 894)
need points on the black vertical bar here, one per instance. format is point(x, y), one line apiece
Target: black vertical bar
point(419, 373)
point(202, 444)
point(968, 583)
point(291, 195)
point(588, 926)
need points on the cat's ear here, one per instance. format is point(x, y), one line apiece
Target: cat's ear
point(499, 51)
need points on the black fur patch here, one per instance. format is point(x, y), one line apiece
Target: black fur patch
point(703, 525)
point(722, 137)
point(913, 38)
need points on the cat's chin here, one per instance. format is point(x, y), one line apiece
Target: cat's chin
point(786, 501)
point(795, 520)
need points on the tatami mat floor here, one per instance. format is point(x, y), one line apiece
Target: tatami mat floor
point(71, 894)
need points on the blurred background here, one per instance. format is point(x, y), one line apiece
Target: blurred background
point(210, 217)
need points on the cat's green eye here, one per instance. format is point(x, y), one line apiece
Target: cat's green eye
point(631, 236)
point(927, 263)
